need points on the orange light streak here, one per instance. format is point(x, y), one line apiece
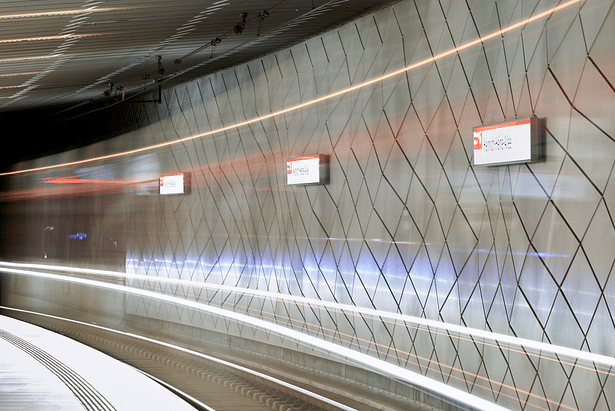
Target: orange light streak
point(18, 86)
point(78, 180)
point(358, 86)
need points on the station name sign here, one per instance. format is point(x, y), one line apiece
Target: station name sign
point(518, 141)
point(307, 170)
point(175, 184)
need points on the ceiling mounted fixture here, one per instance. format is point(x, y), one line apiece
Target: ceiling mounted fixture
point(238, 29)
point(161, 69)
point(73, 53)
point(107, 93)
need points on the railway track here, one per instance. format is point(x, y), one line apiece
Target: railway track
point(219, 384)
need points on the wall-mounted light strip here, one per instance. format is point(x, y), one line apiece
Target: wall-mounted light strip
point(358, 86)
point(346, 354)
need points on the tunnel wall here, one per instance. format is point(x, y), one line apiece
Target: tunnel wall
point(407, 224)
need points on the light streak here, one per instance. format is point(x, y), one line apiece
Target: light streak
point(358, 86)
point(18, 86)
point(78, 180)
point(53, 56)
point(31, 73)
point(360, 313)
point(58, 13)
point(48, 38)
point(445, 328)
point(364, 360)
point(352, 338)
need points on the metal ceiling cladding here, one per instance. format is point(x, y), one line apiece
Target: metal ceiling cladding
point(82, 52)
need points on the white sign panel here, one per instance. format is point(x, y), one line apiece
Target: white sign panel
point(172, 184)
point(307, 170)
point(513, 142)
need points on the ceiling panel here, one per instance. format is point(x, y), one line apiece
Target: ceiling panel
point(67, 67)
point(65, 53)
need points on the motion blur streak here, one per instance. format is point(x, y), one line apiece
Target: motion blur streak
point(361, 359)
point(18, 268)
point(77, 180)
point(358, 86)
point(444, 331)
point(31, 73)
point(73, 186)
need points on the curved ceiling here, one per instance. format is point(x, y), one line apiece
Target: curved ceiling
point(69, 59)
point(60, 54)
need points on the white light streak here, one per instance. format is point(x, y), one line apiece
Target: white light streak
point(53, 56)
point(31, 73)
point(424, 62)
point(338, 351)
point(48, 38)
point(58, 13)
point(431, 324)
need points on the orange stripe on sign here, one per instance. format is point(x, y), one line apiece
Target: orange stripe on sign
point(303, 158)
point(504, 125)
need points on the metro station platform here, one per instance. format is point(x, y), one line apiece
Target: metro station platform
point(41, 370)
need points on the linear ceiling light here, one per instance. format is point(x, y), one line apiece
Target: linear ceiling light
point(29, 73)
point(53, 56)
point(47, 38)
point(59, 13)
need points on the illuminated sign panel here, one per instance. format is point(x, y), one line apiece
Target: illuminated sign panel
point(307, 170)
point(174, 184)
point(517, 141)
